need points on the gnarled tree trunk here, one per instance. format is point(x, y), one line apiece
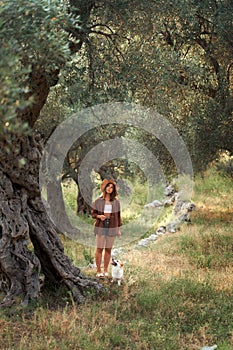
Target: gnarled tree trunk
point(23, 218)
point(29, 242)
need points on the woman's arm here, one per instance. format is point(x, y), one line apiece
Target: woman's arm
point(95, 212)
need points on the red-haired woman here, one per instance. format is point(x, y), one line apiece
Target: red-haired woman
point(107, 215)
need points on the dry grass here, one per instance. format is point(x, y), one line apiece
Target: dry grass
point(177, 294)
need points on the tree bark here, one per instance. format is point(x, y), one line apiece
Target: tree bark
point(19, 266)
point(83, 207)
point(24, 220)
point(29, 241)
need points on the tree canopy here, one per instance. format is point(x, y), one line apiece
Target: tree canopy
point(175, 57)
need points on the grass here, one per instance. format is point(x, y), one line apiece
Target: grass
point(177, 293)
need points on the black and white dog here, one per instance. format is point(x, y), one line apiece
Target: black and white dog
point(117, 271)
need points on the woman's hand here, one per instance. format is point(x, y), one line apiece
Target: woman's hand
point(101, 217)
point(118, 233)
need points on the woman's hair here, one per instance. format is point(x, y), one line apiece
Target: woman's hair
point(114, 193)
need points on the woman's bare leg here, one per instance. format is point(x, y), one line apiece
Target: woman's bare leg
point(99, 250)
point(107, 252)
point(107, 256)
point(98, 259)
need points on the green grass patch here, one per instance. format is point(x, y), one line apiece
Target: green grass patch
point(208, 249)
point(155, 317)
point(213, 188)
point(182, 306)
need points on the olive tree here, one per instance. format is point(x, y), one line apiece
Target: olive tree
point(38, 38)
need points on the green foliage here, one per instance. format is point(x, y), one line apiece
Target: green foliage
point(33, 34)
point(42, 39)
point(70, 194)
point(10, 91)
point(224, 165)
point(174, 57)
point(88, 256)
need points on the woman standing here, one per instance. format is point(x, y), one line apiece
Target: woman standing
point(107, 215)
